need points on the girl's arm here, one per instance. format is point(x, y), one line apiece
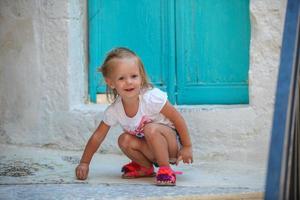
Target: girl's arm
point(91, 147)
point(174, 116)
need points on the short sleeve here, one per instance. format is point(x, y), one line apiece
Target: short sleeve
point(109, 116)
point(155, 100)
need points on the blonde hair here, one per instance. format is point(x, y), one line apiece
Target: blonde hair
point(107, 67)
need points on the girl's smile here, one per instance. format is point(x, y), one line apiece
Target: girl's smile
point(129, 90)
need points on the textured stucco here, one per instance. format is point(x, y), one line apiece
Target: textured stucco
point(43, 83)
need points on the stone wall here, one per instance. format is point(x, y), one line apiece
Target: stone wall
point(43, 83)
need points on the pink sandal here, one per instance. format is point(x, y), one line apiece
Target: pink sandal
point(132, 166)
point(166, 176)
point(134, 170)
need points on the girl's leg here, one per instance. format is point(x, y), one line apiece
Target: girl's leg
point(162, 142)
point(136, 149)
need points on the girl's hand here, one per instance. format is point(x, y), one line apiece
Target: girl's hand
point(186, 155)
point(82, 171)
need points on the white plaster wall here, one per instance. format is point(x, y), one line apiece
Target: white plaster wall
point(43, 83)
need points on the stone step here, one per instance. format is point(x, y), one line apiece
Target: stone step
point(122, 191)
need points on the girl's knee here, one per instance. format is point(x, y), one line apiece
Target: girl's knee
point(125, 140)
point(151, 130)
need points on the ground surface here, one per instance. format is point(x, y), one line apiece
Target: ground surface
point(36, 173)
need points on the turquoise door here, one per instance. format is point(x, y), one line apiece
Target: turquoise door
point(196, 50)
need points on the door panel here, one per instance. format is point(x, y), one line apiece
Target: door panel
point(212, 51)
point(141, 25)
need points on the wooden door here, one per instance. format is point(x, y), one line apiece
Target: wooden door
point(195, 50)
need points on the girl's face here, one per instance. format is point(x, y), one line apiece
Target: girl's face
point(125, 78)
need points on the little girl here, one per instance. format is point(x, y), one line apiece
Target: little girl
point(154, 131)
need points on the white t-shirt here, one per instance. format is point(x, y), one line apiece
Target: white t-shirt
point(151, 101)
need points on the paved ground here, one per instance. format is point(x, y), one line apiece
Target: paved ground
point(37, 173)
